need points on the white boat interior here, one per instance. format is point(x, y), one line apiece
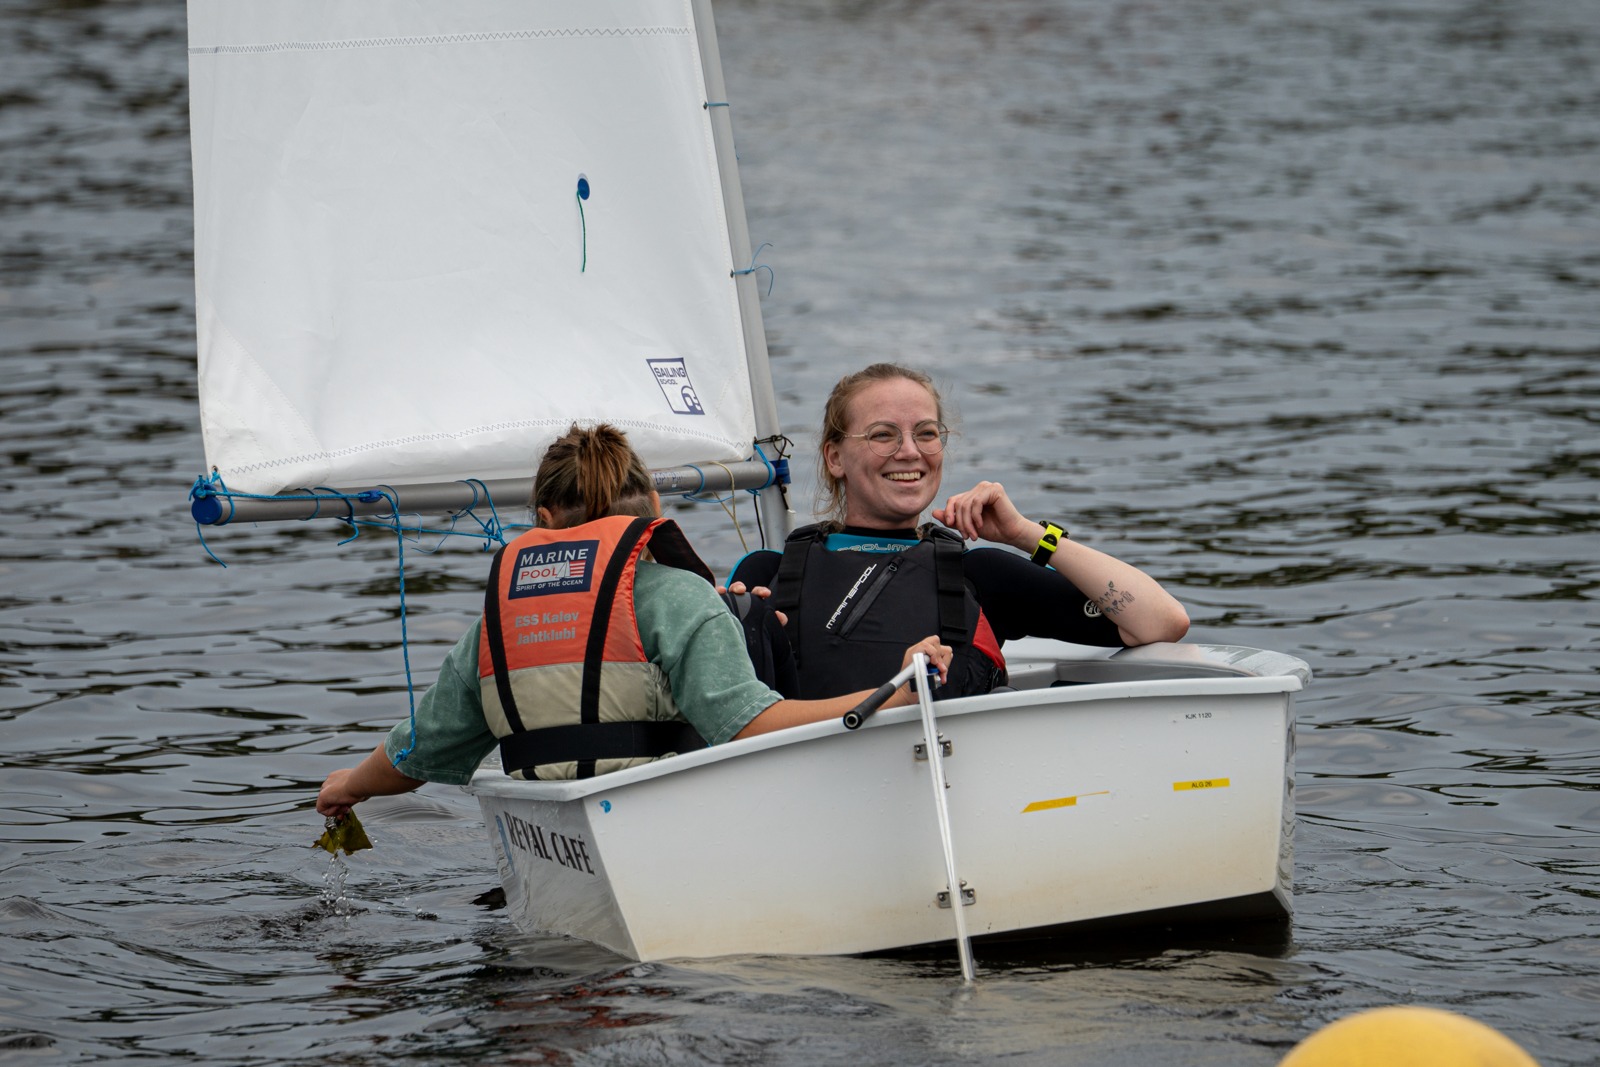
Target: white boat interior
point(1149, 784)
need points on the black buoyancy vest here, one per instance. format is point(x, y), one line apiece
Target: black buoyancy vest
point(852, 615)
point(766, 642)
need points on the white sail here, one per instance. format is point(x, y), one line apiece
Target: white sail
point(396, 280)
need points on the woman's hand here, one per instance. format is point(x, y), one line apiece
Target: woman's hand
point(738, 589)
point(986, 513)
point(939, 655)
point(759, 591)
point(789, 712)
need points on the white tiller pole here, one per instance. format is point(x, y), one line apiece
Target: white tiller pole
point(930, 732)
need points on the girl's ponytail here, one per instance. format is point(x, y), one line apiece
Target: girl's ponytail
point(591, 473)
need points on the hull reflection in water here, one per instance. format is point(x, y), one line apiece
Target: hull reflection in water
point(1155, 783)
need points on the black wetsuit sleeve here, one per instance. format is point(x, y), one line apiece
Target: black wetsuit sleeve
point(757, 568)
point(1022, 599)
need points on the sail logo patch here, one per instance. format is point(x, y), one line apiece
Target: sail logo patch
point(672, 375)
point(562, 568)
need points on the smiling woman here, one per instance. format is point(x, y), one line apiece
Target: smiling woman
point(853, 586)
point(885, 474)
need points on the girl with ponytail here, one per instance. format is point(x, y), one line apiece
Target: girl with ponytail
point(673, 674)
point(589, 474)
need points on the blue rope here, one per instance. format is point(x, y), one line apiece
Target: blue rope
point(583, 194)
point(777, 474)
point(772, 472)
point(754, 266)
point(204, 487)
point(583, 264)
point(200, 533)
point(416, 533)
point(492, 530)
point(405, 641)
point(322, 492)
point(755, 494)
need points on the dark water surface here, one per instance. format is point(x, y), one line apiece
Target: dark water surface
point(1296, 303)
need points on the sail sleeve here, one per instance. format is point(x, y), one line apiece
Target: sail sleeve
point(430, 236)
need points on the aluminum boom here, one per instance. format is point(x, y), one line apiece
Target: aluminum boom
point(218, 508)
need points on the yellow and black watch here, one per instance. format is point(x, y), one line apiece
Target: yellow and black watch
point(1053, 536)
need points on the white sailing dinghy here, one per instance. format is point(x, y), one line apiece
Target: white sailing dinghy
point(428, 237)
point(1157, 780)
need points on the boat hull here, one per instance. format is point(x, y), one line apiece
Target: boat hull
point(1161, 788)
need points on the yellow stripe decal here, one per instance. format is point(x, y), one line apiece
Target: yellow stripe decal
point(1202, 783)
point(1061, 802)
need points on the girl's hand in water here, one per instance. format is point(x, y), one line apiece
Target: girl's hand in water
point(335, 798)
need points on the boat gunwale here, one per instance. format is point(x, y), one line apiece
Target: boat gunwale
point(490, 780)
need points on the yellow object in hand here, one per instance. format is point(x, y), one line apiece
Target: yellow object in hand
point(344, 833)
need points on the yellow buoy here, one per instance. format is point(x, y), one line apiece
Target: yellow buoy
point(1407, 1037)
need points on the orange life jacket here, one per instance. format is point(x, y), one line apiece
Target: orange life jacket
point(565, 682)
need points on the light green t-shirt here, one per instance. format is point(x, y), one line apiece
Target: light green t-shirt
point(687, 631)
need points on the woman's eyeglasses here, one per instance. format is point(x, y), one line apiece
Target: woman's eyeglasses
point(885, 439)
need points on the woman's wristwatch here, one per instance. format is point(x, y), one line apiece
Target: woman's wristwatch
point(1053, 536)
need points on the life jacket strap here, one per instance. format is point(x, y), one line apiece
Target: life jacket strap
point(792, 570)
point(497, 642)
point(947, 552)
point(600, 626)
point(589, 742)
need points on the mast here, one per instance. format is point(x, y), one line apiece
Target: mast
point(771, 501)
